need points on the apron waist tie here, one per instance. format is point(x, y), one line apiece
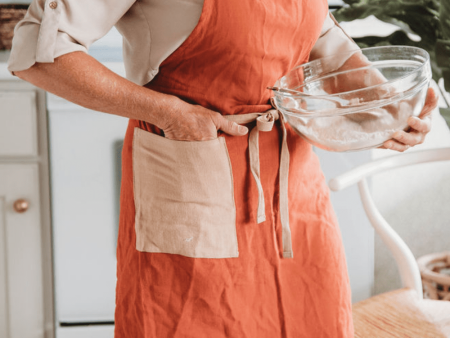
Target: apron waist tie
point(265, 122)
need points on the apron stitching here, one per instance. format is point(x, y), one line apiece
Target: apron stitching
point(232, 193)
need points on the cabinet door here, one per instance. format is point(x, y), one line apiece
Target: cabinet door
point(21, 296)
point(85, 153)
point(18, 124)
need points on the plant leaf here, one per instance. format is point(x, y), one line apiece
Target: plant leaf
point(396, 38)
point(443, 53)
point(446, 76)
point(445, 112)
point(443, 60)
point(412, 17)
point(444, 15)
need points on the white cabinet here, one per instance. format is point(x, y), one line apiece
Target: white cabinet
point(21, 295)
point(26, 309)
point(18, 129)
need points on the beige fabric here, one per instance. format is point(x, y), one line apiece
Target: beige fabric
point(265, 122)
point(184, 197)
point(284, 209)
point(333, 40)
point(151, 30)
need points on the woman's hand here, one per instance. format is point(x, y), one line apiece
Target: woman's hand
point(420, 127)
point(401, 140)
point(187, 122)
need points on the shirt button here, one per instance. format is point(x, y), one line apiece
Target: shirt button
point(53, 4)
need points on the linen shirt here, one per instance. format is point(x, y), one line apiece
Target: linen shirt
point(151, 31)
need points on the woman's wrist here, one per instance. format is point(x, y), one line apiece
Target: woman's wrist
point(161, 109)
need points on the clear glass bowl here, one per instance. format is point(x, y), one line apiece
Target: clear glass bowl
point(356, 100)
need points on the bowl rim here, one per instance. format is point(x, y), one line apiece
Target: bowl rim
point(300, 94)
point(350, 110)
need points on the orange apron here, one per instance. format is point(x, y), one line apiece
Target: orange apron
point(204, 248)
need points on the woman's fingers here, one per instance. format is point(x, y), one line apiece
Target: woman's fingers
point(411, 139)
point(419, 127)
point(431, 103)
point(393, 145)
point(422, 125)
point(229, 127)
point(187, 122)
point(402, 140)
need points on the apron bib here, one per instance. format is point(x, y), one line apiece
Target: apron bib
point(213, 241)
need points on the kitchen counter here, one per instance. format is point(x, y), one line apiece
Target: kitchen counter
point(4, 73)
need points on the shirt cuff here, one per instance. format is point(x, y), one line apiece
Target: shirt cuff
point(40, 42)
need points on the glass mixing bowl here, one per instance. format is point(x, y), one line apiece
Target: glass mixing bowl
point(356, 100)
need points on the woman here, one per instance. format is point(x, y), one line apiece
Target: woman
point(213, 240)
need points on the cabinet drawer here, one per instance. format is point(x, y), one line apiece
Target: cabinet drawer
point(18, 126)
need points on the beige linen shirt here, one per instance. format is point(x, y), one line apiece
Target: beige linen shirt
point(151, 31)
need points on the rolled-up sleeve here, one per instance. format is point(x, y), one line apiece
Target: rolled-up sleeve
point(332, 40)
point(52, 28)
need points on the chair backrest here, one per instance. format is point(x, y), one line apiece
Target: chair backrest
point(406, 263)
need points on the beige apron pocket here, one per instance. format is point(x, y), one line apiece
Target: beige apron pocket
point(184, 197)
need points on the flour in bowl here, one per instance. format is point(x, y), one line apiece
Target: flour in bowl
point(345, 132)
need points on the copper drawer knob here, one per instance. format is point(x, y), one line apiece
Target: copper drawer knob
point(21, 205)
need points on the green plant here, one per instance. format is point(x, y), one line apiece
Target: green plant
point(429, 19)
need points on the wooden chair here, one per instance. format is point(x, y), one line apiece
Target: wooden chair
point(402, 312)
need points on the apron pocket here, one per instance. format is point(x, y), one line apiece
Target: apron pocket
point(184, 197)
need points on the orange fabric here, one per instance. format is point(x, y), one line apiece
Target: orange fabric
point(238, 48)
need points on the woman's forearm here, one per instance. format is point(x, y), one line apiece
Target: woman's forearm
point(83, 80)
